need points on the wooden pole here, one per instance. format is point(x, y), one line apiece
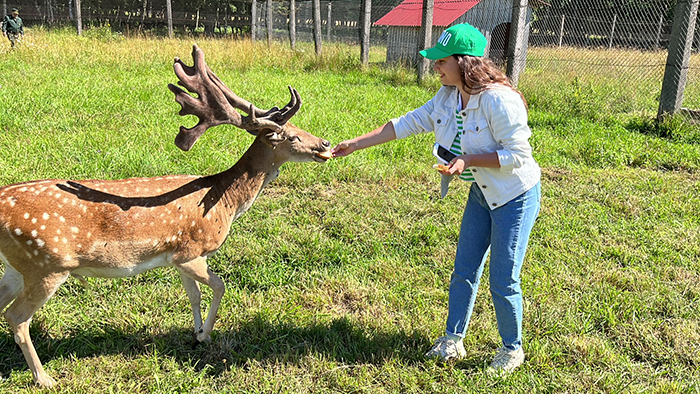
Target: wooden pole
point(366, 24)
point(78, 18)
point(268, 21)
point(658, 32)
point(612, 32)
point(561, 30)
point(329, 19)
point(678, 61)
point(292, 24)
point(253, 19)
point(517, 45)
point(426, 39)
point(316, 9)
point(169, 11)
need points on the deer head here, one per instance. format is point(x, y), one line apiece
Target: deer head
point(216, 104)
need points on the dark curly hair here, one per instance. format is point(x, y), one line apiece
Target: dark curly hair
point(478, 72)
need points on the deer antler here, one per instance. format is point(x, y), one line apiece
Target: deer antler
point(217, 104)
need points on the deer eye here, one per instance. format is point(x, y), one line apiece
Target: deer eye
point(294, 138)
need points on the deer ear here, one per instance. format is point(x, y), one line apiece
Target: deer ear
point(274, 138)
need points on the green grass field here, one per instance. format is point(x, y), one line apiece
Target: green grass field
point(337, 277)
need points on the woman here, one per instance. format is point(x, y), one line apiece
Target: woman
point(479, 116)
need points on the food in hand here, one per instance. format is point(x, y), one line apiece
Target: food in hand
point(325, 155)
point(440, 167)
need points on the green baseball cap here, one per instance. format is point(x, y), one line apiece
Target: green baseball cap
point(462, 39)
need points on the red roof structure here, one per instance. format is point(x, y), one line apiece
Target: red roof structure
point(409, 12)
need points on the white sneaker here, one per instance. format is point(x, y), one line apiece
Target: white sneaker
point(446, 349)
point(507, 360)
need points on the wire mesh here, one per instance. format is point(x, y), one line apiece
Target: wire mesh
point(620, 46)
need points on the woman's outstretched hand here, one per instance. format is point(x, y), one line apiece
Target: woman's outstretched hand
point(343, 148)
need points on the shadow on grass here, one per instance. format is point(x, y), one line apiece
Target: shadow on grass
point(256, 340)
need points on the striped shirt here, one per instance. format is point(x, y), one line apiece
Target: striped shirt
point(456, 148)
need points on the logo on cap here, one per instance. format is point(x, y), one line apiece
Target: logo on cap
point(444, 38)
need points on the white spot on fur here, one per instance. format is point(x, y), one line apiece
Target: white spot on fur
point(26, 215)
point(35, 233)
point(40, 242)
point(18, 231)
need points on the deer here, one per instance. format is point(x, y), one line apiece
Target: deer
point(52, 229)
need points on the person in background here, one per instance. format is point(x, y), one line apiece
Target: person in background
point(480, 117)
point(12, 27)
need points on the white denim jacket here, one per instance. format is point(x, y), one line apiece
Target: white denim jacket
point(495, 120)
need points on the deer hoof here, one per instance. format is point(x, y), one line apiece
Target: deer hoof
point(199, 337)
point(45, 381)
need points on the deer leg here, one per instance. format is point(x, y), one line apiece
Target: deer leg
point(32, 297)
point(198, 270)
point(195, 296)
point(10, 286)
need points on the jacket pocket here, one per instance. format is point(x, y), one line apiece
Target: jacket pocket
point(478, 136)
point(443, 125)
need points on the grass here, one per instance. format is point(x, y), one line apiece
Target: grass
point(337, 277)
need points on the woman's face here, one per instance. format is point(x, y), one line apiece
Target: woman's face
point(448, 68)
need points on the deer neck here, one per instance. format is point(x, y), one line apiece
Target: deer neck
point(241, 184)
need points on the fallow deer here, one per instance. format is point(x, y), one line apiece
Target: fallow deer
point(51, 229)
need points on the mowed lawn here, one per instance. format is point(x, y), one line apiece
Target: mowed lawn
point(337, 277)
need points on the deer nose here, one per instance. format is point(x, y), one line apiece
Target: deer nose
point(326, 143)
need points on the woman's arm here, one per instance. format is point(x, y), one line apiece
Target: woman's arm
point(377, 136)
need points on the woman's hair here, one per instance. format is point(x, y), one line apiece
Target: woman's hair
point(479, 72)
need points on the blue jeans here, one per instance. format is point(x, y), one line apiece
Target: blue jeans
point(505, 231)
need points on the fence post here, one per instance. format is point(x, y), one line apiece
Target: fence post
point(292, 24)
point(426, 39)
point(658, 32)
point(612, 32)
point(561, 30)
point(366, 18)
point(169, 11)
point(678, 61)
point(253, 19)
point(78, 18)
point(316, 10)
point(268, 21)
point(517, 45)
point(328, 28)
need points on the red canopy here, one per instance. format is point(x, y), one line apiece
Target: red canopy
point(409, 12)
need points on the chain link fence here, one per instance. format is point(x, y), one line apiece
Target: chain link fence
point(621, 49)
point(618, 51)
point(616, 48)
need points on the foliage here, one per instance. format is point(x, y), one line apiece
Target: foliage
point(337, 277)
